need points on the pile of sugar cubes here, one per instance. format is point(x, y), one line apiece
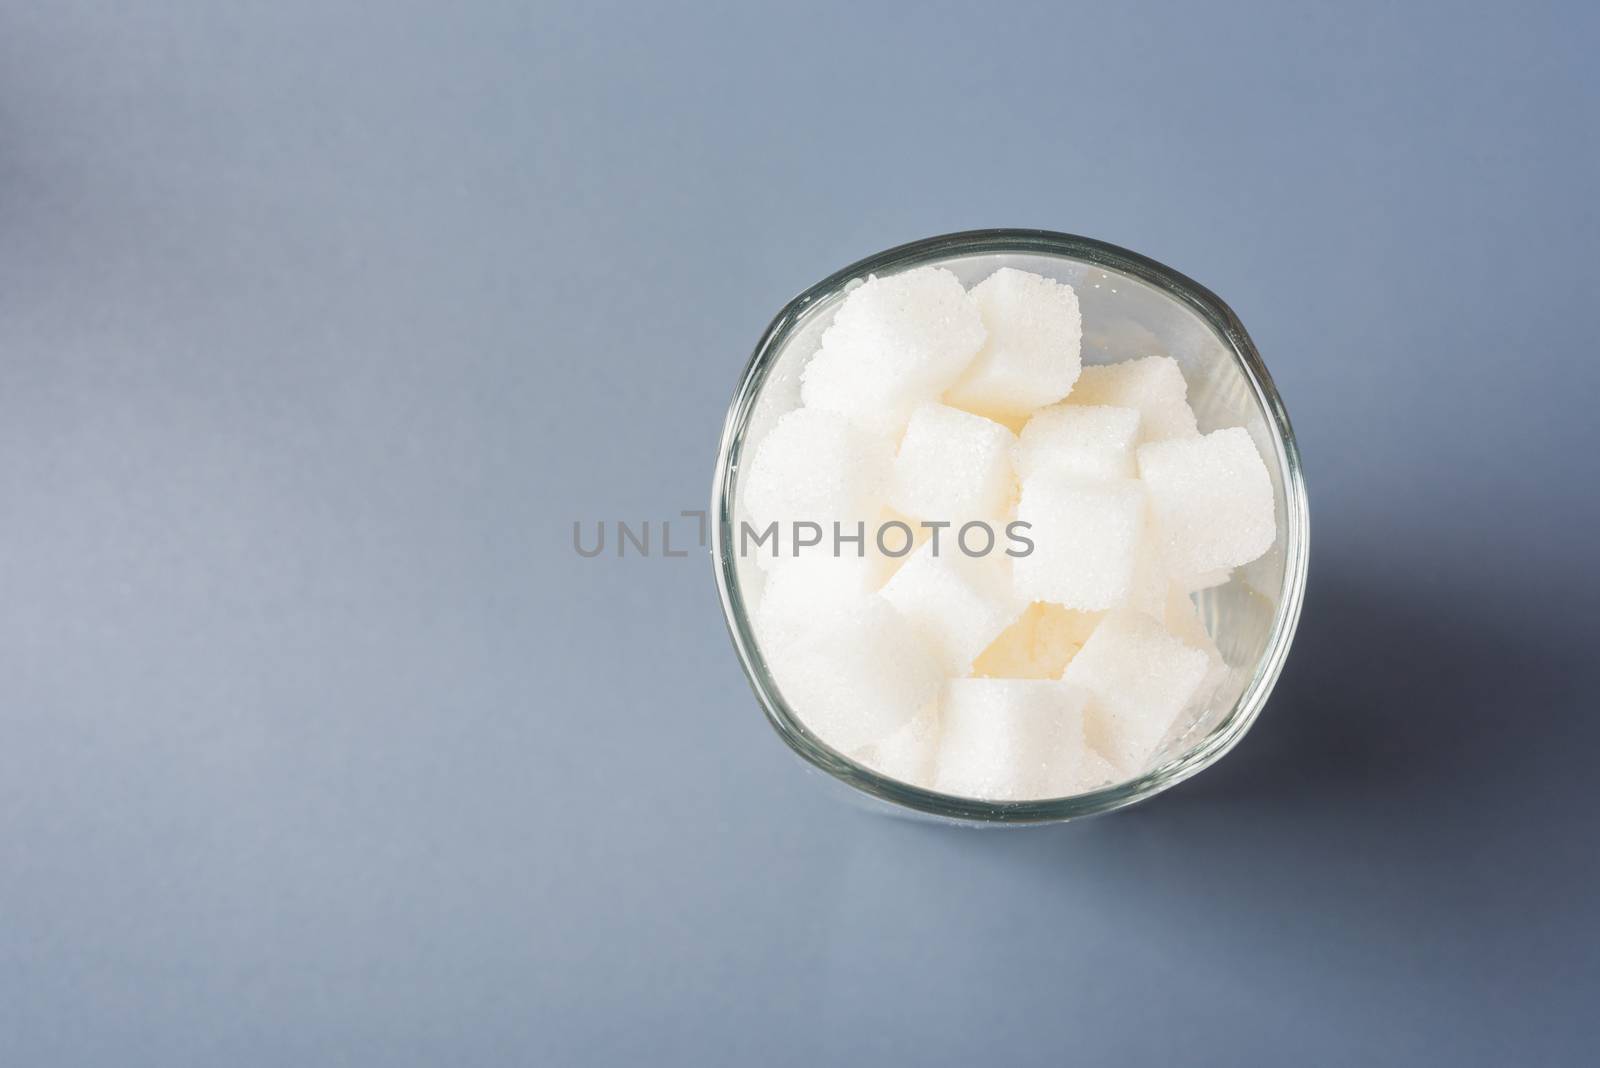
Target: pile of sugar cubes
point(1055, 662)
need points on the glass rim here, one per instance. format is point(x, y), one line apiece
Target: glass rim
point(1200, 301)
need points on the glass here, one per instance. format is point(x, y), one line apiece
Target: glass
point(1132, 306)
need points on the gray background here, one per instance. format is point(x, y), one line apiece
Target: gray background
point(320, 323)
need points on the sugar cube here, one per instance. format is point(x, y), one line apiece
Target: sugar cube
point(801, 591)
point(1139, 679)
point(1090, 441)
point(1152, 384)
point(1038, 645)
point(1211, 499)
point(908, 753)
point(813, 466)
point(1210, 705)
point(1183, 622)
point(1011, 739)
point(1148, 592)
point(857, 676)
point(952, 466)
point(785, 542)
point(1031, 356)
point(894, 342)
point(960, 602)
point(1085, 540)
point(1207, 707)
point(1096, 772)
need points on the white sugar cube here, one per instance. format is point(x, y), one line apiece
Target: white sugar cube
point(1183, 622)
point(908, 753)
point(806, 590)
point(1038, 645)
point(1152, 384)
point(1091, 441)
point(1011, 740)
point(961, 603)
point(813, 466)
point(1096, 772)
point(1139, 679)
point(1148, 593)
point(1206, 708)
point(856, 677)
point(1031, 356)
point(1085, 540)
point(894, 342)
point(953, 466)
point(1211, 499)
point(785, 541)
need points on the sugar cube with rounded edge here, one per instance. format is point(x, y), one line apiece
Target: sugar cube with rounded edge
point(1205, 712)
point(785, 544)
point(1031, 356)
point(814, 466)
point(1148, 591)
point(1152, 384)
point(1012, 740)
point(907, 753)
point(1211, 499)
point(805, 590)
point(1182, 620)
point(961, 603)
point(1094, 442)
point(953, 466)
point(895, 342)
point(1139, 679)
point(1097, 772)
point(1085, 538)
point(855, 677)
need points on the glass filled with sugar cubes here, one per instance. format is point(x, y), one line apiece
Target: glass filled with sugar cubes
point(935, 732)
